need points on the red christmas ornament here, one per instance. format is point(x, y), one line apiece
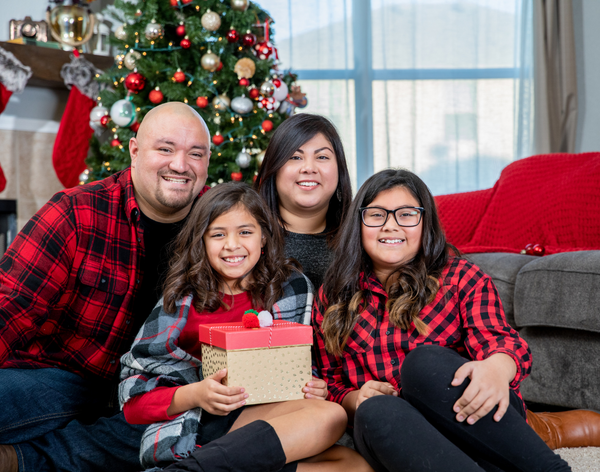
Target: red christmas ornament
point(202, 102)
point(156, 96)
point(186, 2)
point(263, 50)
point(185, 43)
point(135, 82)
point(253, 93)
point(267, 125)
point(233, 36)
point(538, 250)
point(264, 102)
point(104, 120)
point(254, 178)
point(244, 82)
point(180, 30)
point(115, 142)
point(248, 40)
point(174, 3)
point(528, 250)
point(237, 176)
point(217, 139)
point(249, 320)
point(179, 76)
point(220, 66)
point(276, 83)
point(134, 127)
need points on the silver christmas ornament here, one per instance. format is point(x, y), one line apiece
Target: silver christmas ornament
point(120, 33)
point(122, 113)
point(239, 5)
point(267, 88)
point(210, 61)
point(211, 20)
point(153, 30)
point(242, 105)
point(221, 102)
point(243, 159)
point(130, 58)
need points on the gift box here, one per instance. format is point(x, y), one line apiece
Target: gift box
point(273, 364)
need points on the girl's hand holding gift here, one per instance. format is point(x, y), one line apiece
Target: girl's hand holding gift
point(316, 389)
point(489, 387)
point(210, 395)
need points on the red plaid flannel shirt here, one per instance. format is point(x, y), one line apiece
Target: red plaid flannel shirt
point(68, 281)
point(466, 315)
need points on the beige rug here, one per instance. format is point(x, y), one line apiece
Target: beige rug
point(581, 459)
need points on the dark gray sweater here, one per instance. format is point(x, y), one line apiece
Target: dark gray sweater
point(312, 252)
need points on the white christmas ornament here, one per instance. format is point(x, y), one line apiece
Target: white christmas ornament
point(210, 61)
point(122, 113)
point(97, 113)
point(242, 105)
point(265, 319)
point(243, 159)
point(286, 108)
point(281, 92)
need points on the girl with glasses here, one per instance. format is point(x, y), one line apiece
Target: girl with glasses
point(414, 344)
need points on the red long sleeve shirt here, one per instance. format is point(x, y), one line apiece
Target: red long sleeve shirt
point(68, 281)
point(466, 315)
point(152, 407)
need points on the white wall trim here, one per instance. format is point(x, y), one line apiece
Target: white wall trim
point(15, 123)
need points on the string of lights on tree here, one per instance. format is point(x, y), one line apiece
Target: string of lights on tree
point(215, 55)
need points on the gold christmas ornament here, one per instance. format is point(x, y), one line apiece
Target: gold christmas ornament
point(210, 61)
point(260, 157)
point(130, 58)
point(221, 102)
point(153, 30)
point(245, 67)
point(120, 33)
point(211, 20)
point(240, 5)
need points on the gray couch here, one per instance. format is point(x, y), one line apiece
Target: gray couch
point(554, 302)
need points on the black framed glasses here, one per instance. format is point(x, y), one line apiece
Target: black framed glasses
point(404, 216)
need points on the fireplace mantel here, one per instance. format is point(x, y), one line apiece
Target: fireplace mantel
point(46, 63)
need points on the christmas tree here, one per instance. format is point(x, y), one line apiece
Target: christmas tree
point(215, 55)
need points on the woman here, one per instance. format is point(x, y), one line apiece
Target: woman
point(305, 182)
point(414, 344)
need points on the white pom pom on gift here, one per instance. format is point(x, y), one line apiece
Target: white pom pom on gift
point(265, 319)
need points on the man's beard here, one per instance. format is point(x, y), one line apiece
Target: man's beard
point(176, 199)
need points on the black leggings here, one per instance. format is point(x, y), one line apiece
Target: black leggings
point(419, 431)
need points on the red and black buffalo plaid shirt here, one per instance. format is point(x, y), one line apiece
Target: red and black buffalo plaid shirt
point(466, 315)
point(68, 281)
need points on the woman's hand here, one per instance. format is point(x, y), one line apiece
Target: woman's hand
point(373, 388)
point(316, 388)
point(490, 380)
point(210, 395)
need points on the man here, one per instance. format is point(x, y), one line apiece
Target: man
point(75, 287)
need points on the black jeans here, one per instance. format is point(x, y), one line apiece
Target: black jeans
point(419, 431)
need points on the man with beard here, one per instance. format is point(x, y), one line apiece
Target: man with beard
point(76, 285)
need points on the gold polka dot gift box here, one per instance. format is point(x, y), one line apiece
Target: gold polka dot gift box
point(272, 363)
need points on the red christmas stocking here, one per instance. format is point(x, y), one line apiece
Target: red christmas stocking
point(74, 133)
point(13, 78)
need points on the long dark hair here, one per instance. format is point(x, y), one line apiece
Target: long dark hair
point(190, 271)
point(410, 288)
point(287, 139)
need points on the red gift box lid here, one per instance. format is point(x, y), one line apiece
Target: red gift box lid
point(232, 336)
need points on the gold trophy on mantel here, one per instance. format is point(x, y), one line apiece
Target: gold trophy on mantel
point(71, 25)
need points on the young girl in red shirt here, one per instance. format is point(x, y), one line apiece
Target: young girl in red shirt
point(228, 259)
point(414, 344)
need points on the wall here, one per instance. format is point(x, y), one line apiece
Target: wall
point(587, 37)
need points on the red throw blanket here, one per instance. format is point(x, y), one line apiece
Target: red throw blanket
point(552, 200)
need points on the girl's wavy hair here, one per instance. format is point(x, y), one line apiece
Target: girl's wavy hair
point(410, 288)
point(190, 272)
point(290, 136)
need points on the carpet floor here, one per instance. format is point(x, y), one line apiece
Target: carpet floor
point(581, 459)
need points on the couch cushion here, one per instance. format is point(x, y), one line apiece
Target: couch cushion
point(503, 268)
point(560, 290)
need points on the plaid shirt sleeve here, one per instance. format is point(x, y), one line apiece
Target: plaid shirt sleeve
point(328, 366)
point(487, 331)
point(33, 273)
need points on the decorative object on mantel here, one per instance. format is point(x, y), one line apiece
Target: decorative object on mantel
point(13, 78)
point(28, 29)
point(74, 133)
point(70, 25)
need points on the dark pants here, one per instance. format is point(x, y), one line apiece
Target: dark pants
point(419, 431)
point(54, 419)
